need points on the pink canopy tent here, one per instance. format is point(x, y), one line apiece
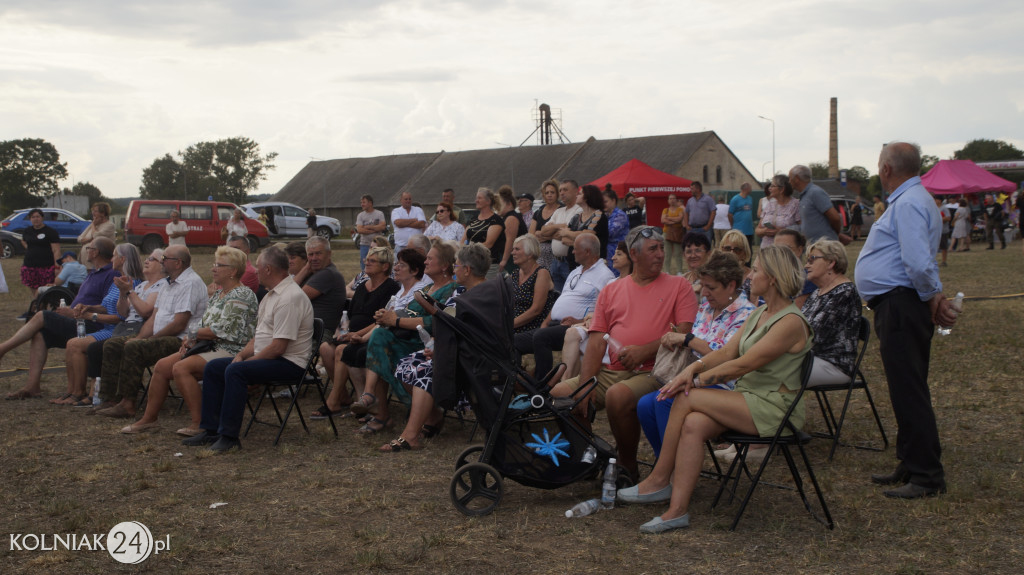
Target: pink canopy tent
point(647, 182)
point(956, 177)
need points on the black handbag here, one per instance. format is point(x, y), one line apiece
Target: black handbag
point(202, 346)
point(401, 332)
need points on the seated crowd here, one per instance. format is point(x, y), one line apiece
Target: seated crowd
point(739, 318)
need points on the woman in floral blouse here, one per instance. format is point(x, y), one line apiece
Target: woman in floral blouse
point(833, 311)
point(229, 321)
point(720, 316)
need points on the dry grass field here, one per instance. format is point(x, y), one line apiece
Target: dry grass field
point(315, 504)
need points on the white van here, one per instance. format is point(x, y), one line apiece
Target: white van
point(291, 220)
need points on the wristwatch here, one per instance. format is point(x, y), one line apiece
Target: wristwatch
point(689, 337)
point(95, 316)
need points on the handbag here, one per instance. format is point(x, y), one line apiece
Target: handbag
point(401, 332)
point(671, 362)
point(202, 346)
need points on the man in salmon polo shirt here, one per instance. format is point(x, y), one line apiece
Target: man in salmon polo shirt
point(635, 311)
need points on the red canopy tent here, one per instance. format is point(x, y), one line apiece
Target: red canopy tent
point(647, 182)
point(956, 177)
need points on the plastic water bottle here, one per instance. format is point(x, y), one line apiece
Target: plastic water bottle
point(63, 303)
point(958, 306)
point(584, 508)
point(615, 347)
point(392, 303)
point(608, 488)
point(80, 327)
point(428, 342)
point(342, 325)
point(96, 392)
point(589, 455)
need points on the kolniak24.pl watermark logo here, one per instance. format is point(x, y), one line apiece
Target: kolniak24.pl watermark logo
point(128, 542)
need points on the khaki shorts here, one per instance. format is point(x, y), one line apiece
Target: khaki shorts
point(639, 383)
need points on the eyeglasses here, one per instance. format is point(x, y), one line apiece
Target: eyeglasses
point(647, 233)
point(217, 265)
point(442, 211)
point(371, 261)
point(731, 249)
point(695, 252)
point(170, 258)
point(90, 249)
point(812, 259)
point(153, 259)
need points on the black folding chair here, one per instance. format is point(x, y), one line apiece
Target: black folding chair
point(778, 442)
point(857, 381)
point(171, 393)
point(309, 377)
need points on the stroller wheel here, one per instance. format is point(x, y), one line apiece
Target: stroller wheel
point(469, 455)
point(623, 479)
point(476, 489)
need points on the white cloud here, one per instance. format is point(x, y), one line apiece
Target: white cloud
point(114, 85)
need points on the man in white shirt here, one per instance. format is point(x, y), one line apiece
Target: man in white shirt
point(576, 300)
point(279, 350)
point(124, 358)
point(559, 221)
point(408, 220)
point(176, 230)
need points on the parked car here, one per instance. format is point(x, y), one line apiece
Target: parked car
point(67, 224)
point(844, 206)
point(291, 220)
point(11, 244)
point(146, 222)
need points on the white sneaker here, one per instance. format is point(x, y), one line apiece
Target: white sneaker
point(726, 454)
point(286, 393)
point(755, 455)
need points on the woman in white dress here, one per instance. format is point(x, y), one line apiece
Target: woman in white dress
point(444, 227)
point(962, 227)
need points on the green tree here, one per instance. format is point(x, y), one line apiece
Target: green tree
point(227, 169)
point(88, 190)
point(928, 162)
point(162, 180)
point(858, 174)
point(29, 171)
point(819, 170)
point(988, 151)
point(874, 186)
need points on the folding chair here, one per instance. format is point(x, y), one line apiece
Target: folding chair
point(309, 377)
point(171, 393)
point(857, 381)
point(778, 442)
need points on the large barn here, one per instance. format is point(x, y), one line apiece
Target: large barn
point(335, 186)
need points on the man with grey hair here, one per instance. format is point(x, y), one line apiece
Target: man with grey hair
point(322, 283)
point(576, 300)
point(634, 312)
point(818, 218)
point(279, 350)
point(898, 276)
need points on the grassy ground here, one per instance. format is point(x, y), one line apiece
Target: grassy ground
point(315, 504)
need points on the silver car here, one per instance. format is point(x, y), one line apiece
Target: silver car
point(291, 220)
point(844, 206)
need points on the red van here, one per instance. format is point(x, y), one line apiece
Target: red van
point(146, 223)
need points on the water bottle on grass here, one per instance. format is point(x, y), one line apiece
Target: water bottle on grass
point(608, 487)
point(584, 508)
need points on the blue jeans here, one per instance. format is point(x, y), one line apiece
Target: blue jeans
point(559, 271)
point(363, 250)
point(226, 387)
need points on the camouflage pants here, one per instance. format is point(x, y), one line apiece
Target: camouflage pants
point(124, 360)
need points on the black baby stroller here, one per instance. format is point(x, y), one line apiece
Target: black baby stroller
point(531, 437)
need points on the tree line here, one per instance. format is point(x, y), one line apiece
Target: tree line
point(229, 170)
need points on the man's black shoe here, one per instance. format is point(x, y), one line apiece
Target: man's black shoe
point(914, 491)
point(204, 438)
point(898, 477)
point(225, 444)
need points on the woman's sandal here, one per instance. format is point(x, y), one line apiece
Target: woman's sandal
point(323, 410)
point(430, 430)
point(369, 429)
point(82, 401)
point(399, 445)
point(60, 400)
point(362, 408)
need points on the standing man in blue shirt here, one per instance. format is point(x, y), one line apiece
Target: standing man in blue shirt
point(818, 217)
point(741, 213)
point(898, 276)
point(700, 212)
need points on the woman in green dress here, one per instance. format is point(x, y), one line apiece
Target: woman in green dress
point(766, 358)
point(387, 346)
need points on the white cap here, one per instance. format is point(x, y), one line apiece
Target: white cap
point(612, 460)
point(568, 513)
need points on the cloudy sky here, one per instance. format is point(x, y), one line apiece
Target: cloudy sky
point(115, 84)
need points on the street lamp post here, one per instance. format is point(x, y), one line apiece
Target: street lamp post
point(773, 141)
point(762, 171)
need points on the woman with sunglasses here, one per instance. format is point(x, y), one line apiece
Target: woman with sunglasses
point(444, 227)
